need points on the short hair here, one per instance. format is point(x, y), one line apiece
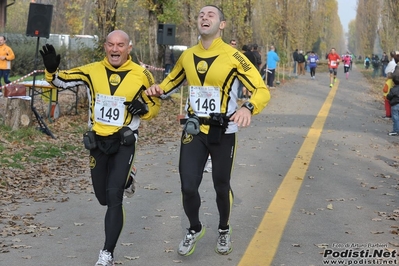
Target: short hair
point(221, 14)
point(4, 37)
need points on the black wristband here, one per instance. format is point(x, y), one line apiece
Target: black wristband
point(249, 106)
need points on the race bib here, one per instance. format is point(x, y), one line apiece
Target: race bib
point(109, 109)
point(204, 100)
point(312, 60)
point(333, 63)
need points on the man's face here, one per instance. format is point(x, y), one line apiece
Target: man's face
point(208, 22)
point(117, 48)
point(2, 41)
point(333, 51)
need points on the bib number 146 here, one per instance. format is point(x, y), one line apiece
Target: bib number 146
point(205, 100)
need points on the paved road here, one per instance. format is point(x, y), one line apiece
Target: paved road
point(338, 196)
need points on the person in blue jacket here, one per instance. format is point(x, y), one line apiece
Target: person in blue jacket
point(312, 63)
point(272, 59)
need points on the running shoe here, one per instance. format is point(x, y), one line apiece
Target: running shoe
point(331, 85)
point(393, 133)
point(130, 187)
point(208, 166)
point(335, 79)
point(105, 259)
point(223, 245)
point(187, 245)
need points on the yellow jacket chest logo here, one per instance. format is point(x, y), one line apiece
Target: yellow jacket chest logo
point(202, 67)
point(114, 79)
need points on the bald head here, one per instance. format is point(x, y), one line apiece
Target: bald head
point(120, 34)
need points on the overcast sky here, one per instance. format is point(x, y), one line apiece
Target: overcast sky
point(346, 12)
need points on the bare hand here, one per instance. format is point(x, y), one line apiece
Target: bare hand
point(242, 117)
point(154, 90)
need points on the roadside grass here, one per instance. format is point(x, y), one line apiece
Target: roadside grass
point(27, 145)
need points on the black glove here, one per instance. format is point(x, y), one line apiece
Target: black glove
point(136, 107)
point(50, 59)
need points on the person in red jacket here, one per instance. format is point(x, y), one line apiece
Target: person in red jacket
point(333, 62)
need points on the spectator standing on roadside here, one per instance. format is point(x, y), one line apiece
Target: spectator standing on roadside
point(392, 63)
point(295, 61)
point(272, 60)
point(257, 55)
point(301, 63)
point(241, 93)
point(211, 69)
point(389, 83)
point(6, 56)
point(393, 97)
point(117, 103)
point(384, 63)
point(313, 59)
point(367, 62)
point(375, 63)
point(246, 49)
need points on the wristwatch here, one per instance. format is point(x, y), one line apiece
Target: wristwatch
point(249, 106)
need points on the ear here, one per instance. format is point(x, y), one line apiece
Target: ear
point(222, 25)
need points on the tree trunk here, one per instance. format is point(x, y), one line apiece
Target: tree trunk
point(18, 113)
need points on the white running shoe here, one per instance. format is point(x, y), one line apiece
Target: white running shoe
point(223, 245)
point(208, 166)
point(105, 259)
point(130, 187)
point(187, 245)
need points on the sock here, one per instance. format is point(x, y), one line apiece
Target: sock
point(196, 228)
point(225, 227)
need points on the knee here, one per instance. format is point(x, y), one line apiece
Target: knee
point(222, 188)
point(102, 199)
point(114, 197)
point(189, 189)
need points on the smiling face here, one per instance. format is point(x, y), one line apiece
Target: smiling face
point(117, 48)
point(210, 22)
